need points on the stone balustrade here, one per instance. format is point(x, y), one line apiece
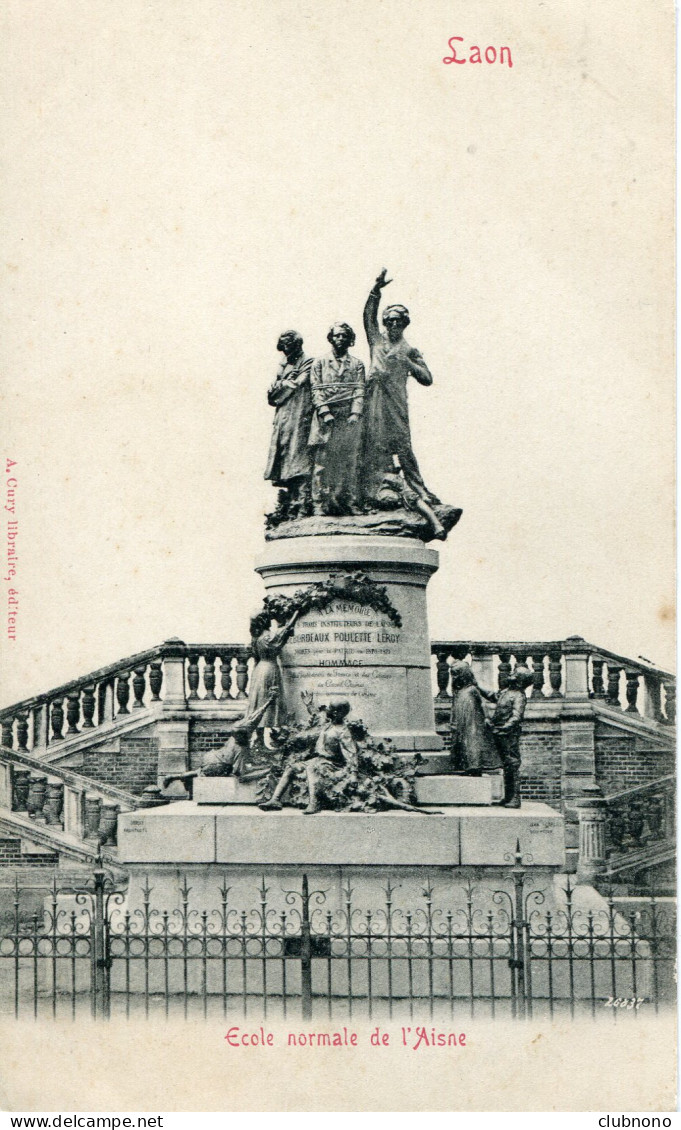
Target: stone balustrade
point(202, 676)
point(641, 819)
point(175, 674)
point(570, 668)
point(61, 799)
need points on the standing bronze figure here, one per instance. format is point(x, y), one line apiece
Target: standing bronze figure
point(386, 430)
point(289, 463)
point(267, 685)
point(507, 723)
point(337, 382)
point(472, 742)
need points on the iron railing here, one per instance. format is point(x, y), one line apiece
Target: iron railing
point(488, 952)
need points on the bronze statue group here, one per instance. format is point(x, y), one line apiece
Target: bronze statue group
point(341, 441)
point(325, 753)
point(341, 446)
point(480, 744)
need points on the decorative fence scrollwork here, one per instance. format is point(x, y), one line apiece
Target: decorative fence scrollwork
point(493, 953)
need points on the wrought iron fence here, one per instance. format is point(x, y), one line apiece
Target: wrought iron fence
point(490, 953)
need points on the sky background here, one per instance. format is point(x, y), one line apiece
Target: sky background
point(185, 181)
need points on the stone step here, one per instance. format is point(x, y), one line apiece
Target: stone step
point(450, 788)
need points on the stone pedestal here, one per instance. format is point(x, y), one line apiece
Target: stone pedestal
point(592, 813)
point(351, 651)
point(186, 832)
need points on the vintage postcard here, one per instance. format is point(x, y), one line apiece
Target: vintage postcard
point(338, 693)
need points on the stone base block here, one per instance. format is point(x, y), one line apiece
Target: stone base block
point(224, 790)
point(434, 763)
point(451, 789)
point(186, 832)
point(491, 840)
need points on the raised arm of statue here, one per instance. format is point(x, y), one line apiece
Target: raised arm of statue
point(280, 638)
point(371, 317)
point(371, 326)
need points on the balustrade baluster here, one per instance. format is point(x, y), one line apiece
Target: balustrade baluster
point(88, 708)
point(139, 686)
point(242, 675)
point(226, 675)
point(209, 675)
point(613, 695)
point(193, 675)
point(156, 679)
point(73, 712)
point(123, 692)
point(504, 668)
point(597, 685)
point(108, 823)
point(8, 733)
point(632, 691)
point(22, 731)
point(521, 658)
point(101, 702)
point(442, 675)
point(93, 805)
point(57, 719)
point(653, 811)
point(670, 703)
point(54, 803)
point(555, 674)
point(538, 674)
point(21, 781)
point(37, 791)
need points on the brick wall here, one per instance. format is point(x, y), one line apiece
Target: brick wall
point(10, 855)
point(10, 851)
point(40, 859)
point(624, 761)
point(132, 768)
point(540, 751)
